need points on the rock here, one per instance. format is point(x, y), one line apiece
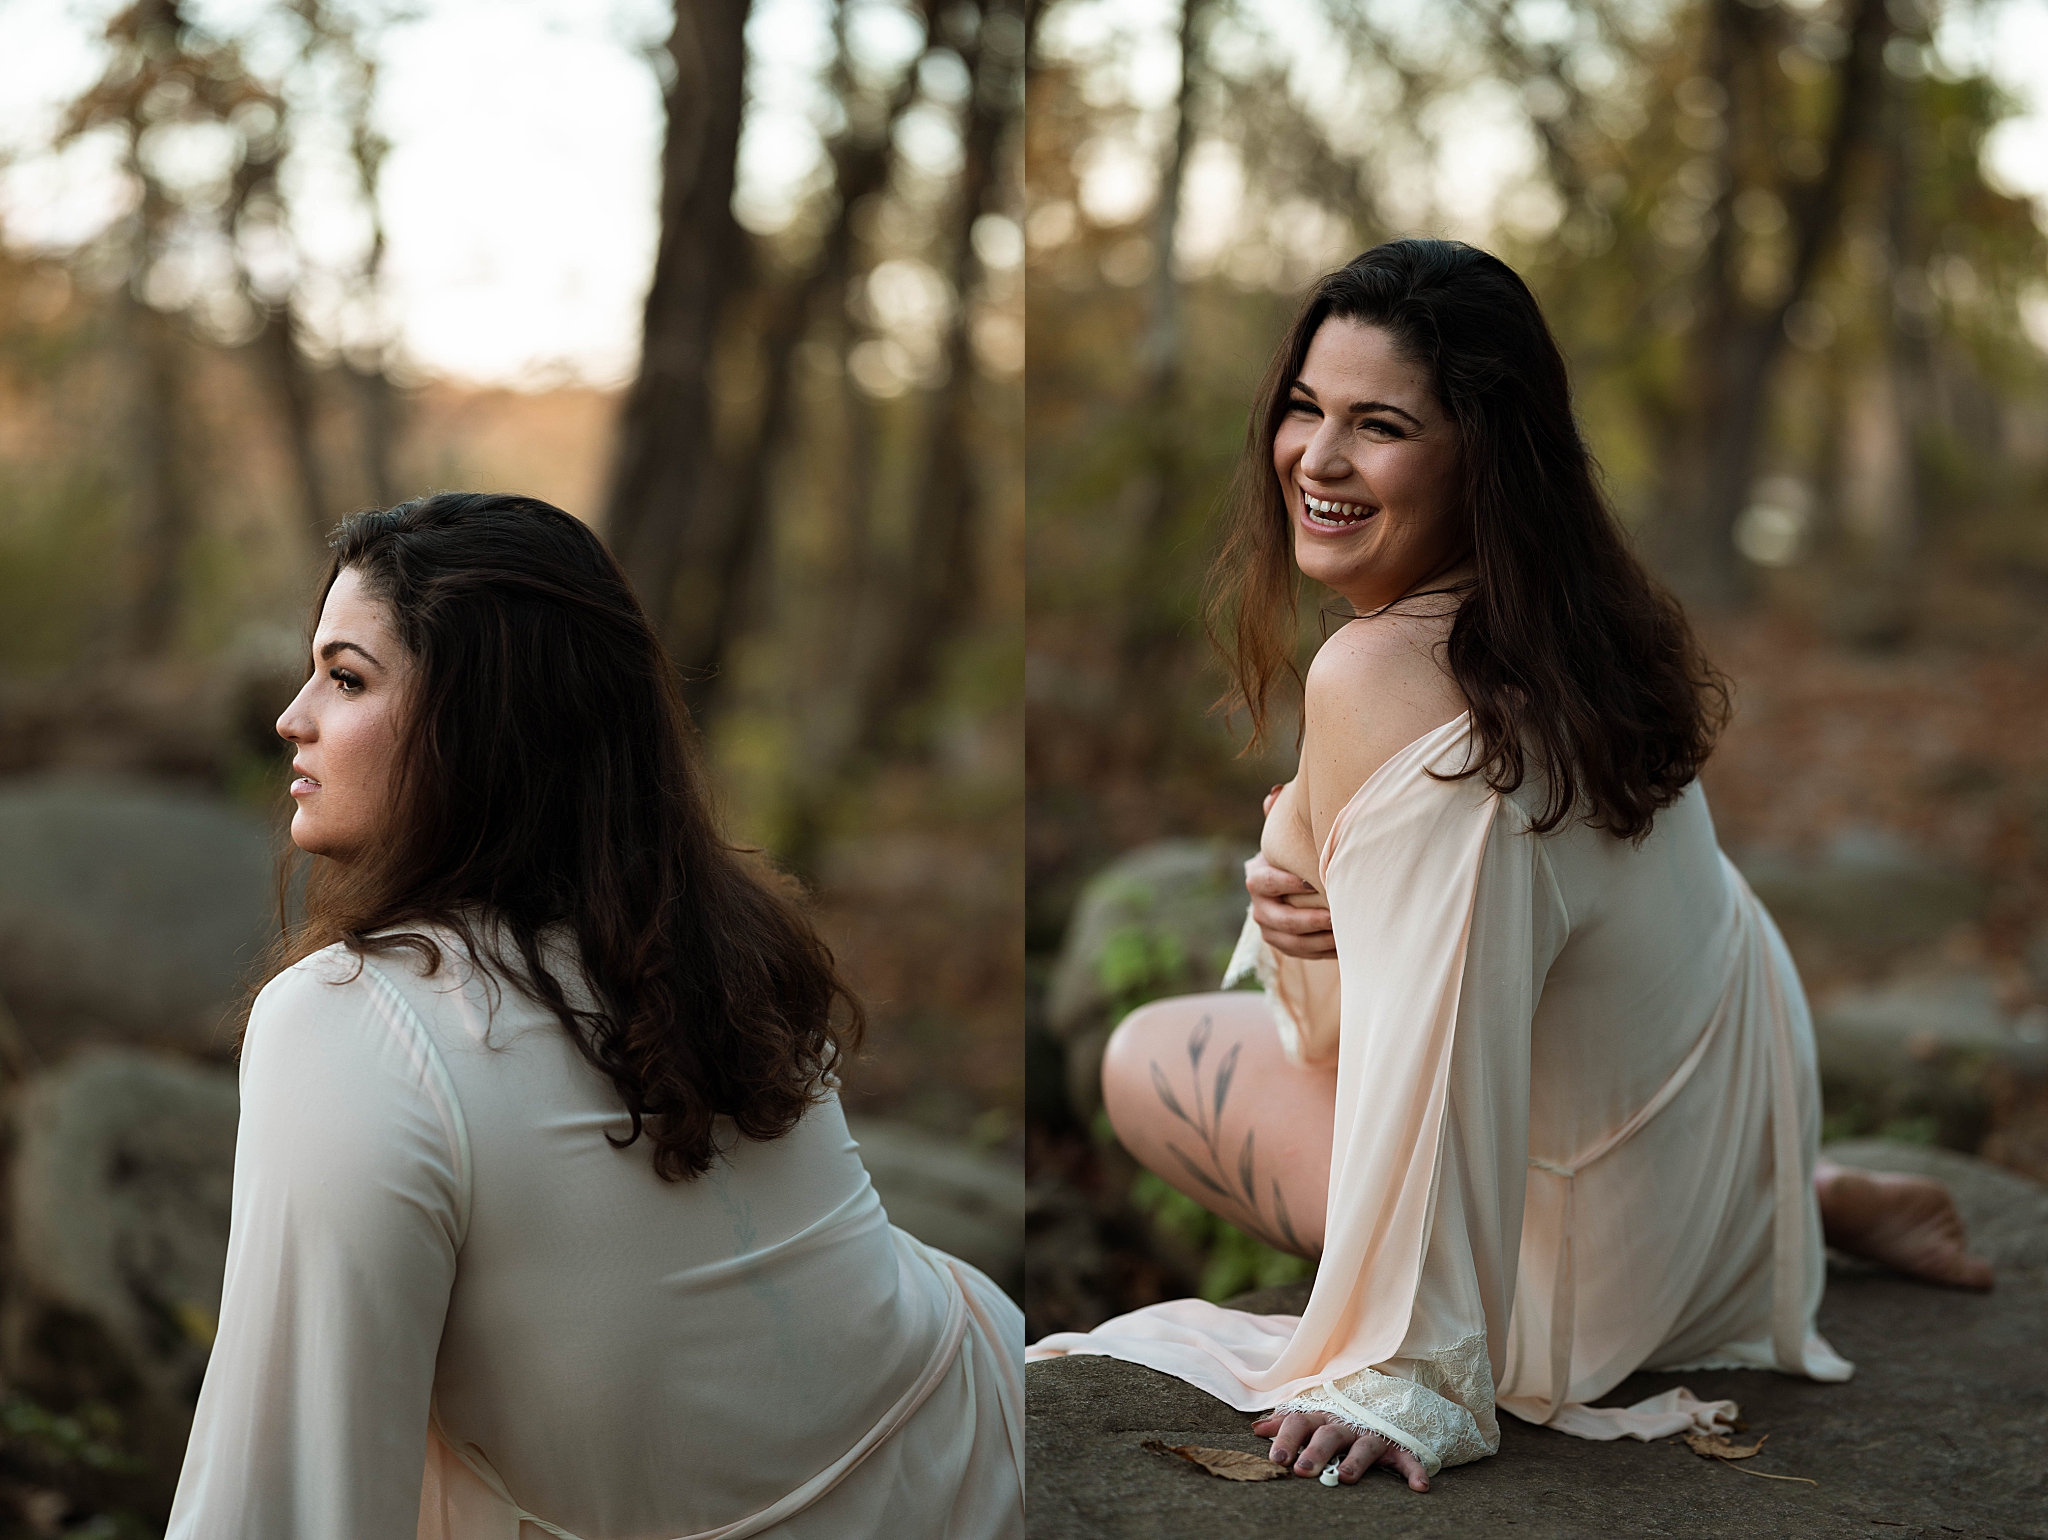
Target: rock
point(1927, 1046)
point(949, 1195)
point(121, 1187)
point(1159, 920)
point(129, 912)
point(1866, 893)
point(1939, 1431)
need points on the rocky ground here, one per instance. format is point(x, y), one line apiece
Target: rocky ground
point(1939, 1434)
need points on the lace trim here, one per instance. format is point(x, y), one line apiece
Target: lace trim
point(1443, 1414)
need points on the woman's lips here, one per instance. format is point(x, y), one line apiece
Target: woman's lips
point(1328, 516)
point(305, 785)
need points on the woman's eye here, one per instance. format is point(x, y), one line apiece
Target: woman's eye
point(1299, 405)
point(349, 682)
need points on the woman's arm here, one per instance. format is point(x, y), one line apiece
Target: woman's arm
point(350, 1169)
point(1391, 871)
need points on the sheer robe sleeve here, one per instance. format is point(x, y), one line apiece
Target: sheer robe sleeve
point(1445, 921)
point(1432, 888)
point(349, 1207)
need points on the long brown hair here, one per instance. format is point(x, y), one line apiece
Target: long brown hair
point(1569, 654)
point(547, 776)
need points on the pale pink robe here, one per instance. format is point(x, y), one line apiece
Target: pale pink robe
point(455, 1311)
point(1576, 1126)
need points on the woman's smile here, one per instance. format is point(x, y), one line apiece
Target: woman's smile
point(1325, 515)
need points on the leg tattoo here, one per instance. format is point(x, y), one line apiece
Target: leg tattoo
point(1213, 1175)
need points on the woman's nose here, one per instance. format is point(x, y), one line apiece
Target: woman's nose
point(1322, 460)
point(293, 722)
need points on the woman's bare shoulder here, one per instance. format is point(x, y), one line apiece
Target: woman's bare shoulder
point(1375, 687)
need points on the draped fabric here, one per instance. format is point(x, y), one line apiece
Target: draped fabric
point(1577, 1117)
point(454, 1311)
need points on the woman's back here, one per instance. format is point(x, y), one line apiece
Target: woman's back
point(429, 1207)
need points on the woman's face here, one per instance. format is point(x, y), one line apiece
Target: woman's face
point(345, 724)
point(1367, 461)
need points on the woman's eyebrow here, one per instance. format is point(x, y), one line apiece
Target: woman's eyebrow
point(327, 653)
point(1363, 406)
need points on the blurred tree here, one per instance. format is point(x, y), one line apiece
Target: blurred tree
point(1742, 303)
point(161, 76)
point(213, 248)
point(936, 581)
point(678, 532)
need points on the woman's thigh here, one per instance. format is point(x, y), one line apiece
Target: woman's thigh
point(1200, 1093)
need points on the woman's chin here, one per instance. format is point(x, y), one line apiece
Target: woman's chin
point(307, 835)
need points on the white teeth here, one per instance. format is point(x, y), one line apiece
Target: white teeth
point(1344, 512)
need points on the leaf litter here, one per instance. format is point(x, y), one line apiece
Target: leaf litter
point(1230, 1464)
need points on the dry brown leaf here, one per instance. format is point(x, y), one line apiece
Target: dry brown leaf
point(1230, 1464)
point(1719, 1446)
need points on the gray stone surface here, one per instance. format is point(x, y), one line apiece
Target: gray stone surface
point(1159, 920)
point(1866, 890)
point(949, 1195)
point(1940, 1433)
point(120, 1189)
point(128, 911)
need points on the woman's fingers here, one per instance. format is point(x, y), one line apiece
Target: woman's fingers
point(1404, 1462)
point(1262, 879)
point(1366, 1451)
point(1324, 1445)
point(1294, 1429)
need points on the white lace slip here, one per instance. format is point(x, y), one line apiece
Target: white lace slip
point(1442, 1416)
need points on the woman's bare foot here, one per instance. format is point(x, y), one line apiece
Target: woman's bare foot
point(1908, 1223)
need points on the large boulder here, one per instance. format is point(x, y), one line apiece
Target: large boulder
point(1159, 920)
point(120, 1188)
point(129, 912)
point(1939, 1431)
point(1934, 1046)
point(949, 1195)
point(1863, 896)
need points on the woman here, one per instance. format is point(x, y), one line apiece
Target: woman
point(546, 1218)
point(1542, 1095)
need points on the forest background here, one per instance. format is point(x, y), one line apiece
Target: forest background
point(738, 282)
point(1794, 251)
point(219, 331)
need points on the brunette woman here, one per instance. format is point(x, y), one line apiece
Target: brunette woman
point(546, 1219)
point(1533, 1075)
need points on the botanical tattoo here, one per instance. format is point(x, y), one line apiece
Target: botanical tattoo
point(1214, 1176)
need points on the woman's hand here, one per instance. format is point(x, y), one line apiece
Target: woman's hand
point(1294, 931)
point(1310, 1440)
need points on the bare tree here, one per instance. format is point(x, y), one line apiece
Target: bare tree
point(934, 592)
point(673, 526)
point(1735, 343)
point(159, 71)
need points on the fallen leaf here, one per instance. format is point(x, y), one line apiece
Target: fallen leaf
point(1230, 1464)
point(1719, 1446)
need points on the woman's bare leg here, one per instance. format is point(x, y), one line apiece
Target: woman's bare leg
point(1199, 1092)
point(1906, 1222)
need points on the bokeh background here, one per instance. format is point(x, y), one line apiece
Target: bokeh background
point(741, 285)
point(1794, 251)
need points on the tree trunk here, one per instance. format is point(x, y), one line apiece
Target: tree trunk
point(291, 382)
point(671, 523)
point(1735, 345)
point(1150, 616)
point(939, 581)
point(162, 518)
